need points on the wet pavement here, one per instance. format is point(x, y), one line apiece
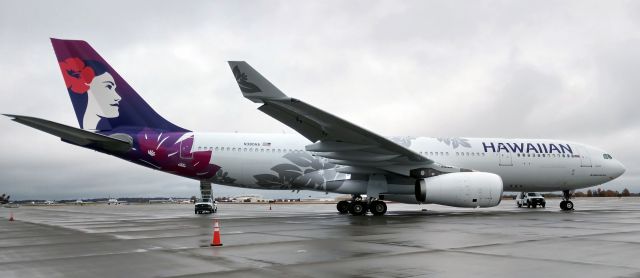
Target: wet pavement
point(600, 239)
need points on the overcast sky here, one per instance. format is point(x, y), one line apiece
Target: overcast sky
point(533, 69)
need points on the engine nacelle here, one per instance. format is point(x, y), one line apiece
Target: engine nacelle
point(463, 189)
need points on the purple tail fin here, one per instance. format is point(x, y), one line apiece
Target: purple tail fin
point(101, 98)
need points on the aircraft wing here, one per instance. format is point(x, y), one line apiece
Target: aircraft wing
point(336, 139)
point(74, 135)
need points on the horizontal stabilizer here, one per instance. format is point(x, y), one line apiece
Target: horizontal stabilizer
point(74, 135)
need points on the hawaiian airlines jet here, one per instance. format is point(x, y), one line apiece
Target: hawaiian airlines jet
point(329, 155)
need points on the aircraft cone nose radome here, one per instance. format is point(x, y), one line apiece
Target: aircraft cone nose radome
point(621, 170)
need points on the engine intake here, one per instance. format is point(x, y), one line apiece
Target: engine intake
point(463, 189)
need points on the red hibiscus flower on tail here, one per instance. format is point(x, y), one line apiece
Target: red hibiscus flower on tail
point(76, 75)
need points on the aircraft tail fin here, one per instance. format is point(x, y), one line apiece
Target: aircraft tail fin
point(252, 84)
point(101, 98)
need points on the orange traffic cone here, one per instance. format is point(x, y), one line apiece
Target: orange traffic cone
point(11, 217)
point(216, 234)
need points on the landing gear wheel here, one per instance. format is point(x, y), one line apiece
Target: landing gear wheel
point(568, 205)
point(343, 207)
point(358, 208)
point(378, 208)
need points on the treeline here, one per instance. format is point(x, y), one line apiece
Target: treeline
point(598, 192)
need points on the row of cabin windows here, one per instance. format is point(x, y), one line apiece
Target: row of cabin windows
point(518, 154)
point(230, 149)
point(435, 153)
point(546, 155)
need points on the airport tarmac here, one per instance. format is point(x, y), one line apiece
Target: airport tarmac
point(600, 239)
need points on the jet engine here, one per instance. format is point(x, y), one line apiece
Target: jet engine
point(463, 189)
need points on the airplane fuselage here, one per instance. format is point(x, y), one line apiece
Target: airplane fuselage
point(280, 161)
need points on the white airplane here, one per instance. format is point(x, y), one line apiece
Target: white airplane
point(329, 155)
point(114, 201)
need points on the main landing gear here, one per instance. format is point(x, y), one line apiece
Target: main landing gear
point(358, 206)
point(566, 204)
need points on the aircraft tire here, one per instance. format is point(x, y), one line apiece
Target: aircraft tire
point(563, 205)
point(568, 205)
point(378, 208)
point(358, 208)
point(343, 207)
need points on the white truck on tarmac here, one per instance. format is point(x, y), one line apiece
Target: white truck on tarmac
point(530, 199)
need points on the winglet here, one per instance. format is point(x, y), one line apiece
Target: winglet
point(252, 84)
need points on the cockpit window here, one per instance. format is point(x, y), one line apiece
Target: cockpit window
point(607, 156)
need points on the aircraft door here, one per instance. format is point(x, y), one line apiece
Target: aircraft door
point(185, 148)
point(505, 159)
point(585, 158)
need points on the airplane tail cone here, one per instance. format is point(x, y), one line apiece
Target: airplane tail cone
point(216, 234)
point(11, 217)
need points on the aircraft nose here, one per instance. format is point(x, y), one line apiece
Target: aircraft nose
point(618, 169)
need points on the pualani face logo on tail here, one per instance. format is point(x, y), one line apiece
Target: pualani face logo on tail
point(93, 91)
point(245, 86)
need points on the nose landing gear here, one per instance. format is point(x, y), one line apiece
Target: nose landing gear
point(566, 205)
